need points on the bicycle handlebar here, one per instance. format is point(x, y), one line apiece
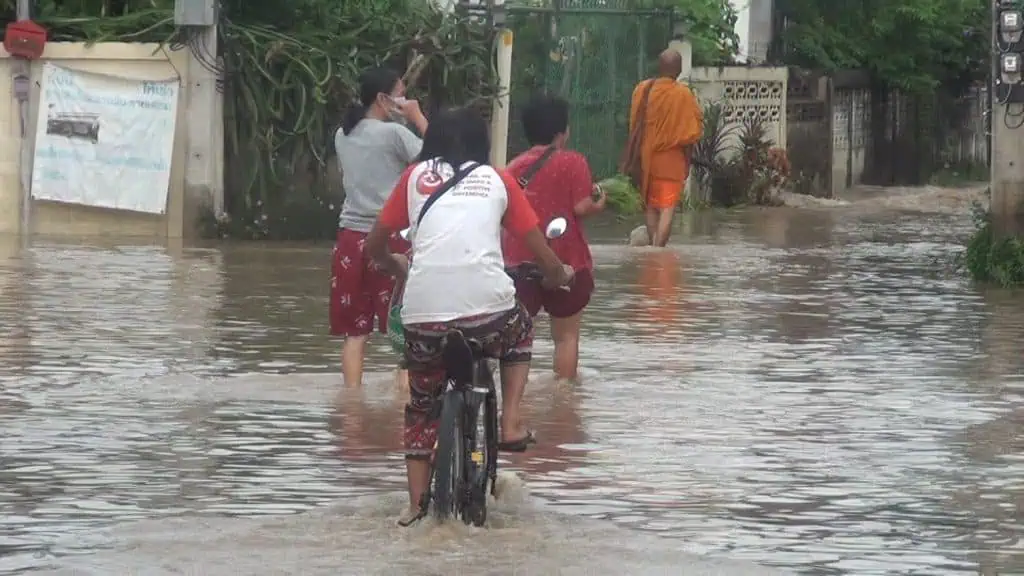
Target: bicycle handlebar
point(528, 271)
point(525, 271)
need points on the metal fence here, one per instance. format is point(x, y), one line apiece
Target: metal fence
point(592, 53)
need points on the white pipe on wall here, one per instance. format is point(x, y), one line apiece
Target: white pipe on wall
point(742, 27)
point(23, 66)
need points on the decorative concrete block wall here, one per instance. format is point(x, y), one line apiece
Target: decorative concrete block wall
point(747, 93)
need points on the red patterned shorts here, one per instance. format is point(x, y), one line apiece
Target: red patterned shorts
point(507, 336)
point(360, 290)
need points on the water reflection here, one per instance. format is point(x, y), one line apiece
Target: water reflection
point(368, 425)
point(801, 389)
point(660, 275)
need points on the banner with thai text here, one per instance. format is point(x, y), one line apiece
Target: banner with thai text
point(104, 141)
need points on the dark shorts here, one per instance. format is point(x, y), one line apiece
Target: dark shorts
point(558, 303)
point(360, 290)
point(506, 336)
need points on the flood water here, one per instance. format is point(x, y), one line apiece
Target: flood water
point(811, 390)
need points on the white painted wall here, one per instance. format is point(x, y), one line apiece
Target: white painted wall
point(742, 27)
point(754, 28)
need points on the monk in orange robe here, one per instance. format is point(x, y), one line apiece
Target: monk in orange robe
point(673, 123)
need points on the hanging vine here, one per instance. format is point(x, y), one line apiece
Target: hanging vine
point(286, 93)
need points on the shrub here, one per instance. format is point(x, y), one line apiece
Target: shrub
point(990, 258)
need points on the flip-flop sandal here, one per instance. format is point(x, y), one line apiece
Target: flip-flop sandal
point(408, 519)
point(520, 445)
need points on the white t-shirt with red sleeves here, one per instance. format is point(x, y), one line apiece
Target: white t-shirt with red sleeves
point(457, 269)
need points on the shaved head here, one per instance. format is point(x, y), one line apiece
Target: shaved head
point(670, 64)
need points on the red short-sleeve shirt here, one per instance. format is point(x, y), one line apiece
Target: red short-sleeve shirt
point(562, 182)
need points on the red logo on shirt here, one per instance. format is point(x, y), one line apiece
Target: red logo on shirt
point(428, 182)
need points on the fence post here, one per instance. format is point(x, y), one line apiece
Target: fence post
point(500, 110)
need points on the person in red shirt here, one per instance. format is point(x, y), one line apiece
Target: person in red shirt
point(561, 186)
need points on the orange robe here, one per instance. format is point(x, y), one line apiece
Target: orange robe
point(673, 122)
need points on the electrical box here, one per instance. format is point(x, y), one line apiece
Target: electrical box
point(195, 12)
point(25, 39)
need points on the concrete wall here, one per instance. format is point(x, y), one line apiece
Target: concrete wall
point(749, 92)
point(142, 61)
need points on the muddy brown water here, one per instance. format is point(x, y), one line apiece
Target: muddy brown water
point(802, 390)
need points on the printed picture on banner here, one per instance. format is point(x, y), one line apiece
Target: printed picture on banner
point(80, 126)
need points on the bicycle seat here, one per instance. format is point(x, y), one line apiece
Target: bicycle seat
point(460, 356)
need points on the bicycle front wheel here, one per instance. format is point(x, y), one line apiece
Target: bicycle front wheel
point(448, 458)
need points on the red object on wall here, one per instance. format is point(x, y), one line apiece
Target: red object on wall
point(25, 39)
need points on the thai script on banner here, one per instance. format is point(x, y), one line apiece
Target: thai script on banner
point(104, 141)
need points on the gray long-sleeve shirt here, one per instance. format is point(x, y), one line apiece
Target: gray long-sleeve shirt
point(372, 159)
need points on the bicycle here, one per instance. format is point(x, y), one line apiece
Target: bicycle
point(465, 464)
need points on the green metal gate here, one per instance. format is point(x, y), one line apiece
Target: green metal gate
point(592, 53)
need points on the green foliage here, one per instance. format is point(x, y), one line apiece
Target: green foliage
point(623, 197)
point(990, 258)
point(712, 31)
point(711, 28)
point(735, 162)
point(715, 149)
point(101, 20)
point(914, 45)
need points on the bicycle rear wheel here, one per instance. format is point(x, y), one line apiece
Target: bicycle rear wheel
point(448, 458)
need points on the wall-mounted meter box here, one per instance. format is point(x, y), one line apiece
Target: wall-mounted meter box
point(195, 12)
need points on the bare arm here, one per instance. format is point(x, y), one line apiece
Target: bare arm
point(392, 218)
point(589, 205)
point(546, 258)
point(377, 248)
point(411, 111)
point(587, 198)
point(420, 122)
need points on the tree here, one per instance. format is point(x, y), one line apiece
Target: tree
point(711, 27)
point(915, 45)
point(712, 31)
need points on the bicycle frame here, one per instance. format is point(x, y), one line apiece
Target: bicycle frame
point(478, 464)
point(481, 393)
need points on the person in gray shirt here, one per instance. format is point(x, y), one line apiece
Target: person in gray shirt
point(374, 147)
